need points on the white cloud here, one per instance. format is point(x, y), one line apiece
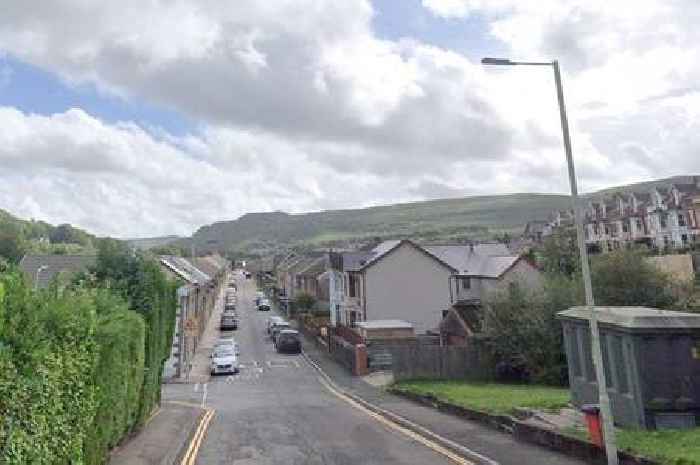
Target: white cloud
point(303, 107)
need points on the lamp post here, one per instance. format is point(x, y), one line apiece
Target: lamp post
point(604, 400)
point(36, 276)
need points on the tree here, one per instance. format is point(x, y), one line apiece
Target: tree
point(623, 277)
point(304, 302)
point(522, 330)
point(560, 252)
point(11, 242)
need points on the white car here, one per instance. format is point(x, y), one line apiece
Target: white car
point(224, 361)
point(228, 342)
point(271, 322)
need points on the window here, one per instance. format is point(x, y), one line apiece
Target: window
point(625, 226)
point(663, 220)
point(681, 220)
point(595, 228)
point(639, 224)
point(466, 283)
point(444, 313)
point(607, 229)
point(667, 241)
point(684, 239)
point(337, 314)
point(352, 280)
point(573, 351)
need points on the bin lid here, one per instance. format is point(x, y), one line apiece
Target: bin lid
point(635, 317)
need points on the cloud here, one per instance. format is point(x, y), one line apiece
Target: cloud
point(302, 107)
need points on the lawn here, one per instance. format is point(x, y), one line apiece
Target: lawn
point(678, 447)
point(490, 397)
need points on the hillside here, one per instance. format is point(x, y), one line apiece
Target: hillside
point(18, 237)
point(436, 220)
point(144, 243)
point(474, 218)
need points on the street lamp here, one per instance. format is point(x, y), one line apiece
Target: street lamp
point(36, 276)
point(608, 428)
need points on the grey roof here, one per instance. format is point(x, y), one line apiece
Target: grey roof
point(354, 261)
point(635, 317)
point(185, 269)
point(68, 265)
point(380, 250)
point(384, 324)
point(489, 260)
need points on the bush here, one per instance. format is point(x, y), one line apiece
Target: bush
point(81, 367)
point(48, 358)
point(120, 336)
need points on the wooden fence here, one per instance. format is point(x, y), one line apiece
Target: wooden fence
point(448, 362)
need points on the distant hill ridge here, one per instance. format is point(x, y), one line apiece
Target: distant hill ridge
point(478, 217)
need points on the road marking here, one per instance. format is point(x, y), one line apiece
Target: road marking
point(180, 402)
point(204, 395)
point(415, 436)
point(422, 437)
point(193, 449)
point(153, 415)
point(196, 387)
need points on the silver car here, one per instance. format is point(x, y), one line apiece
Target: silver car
point(228, 342)
point(224, 361)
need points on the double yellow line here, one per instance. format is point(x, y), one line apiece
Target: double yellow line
point(395, 426)
point(192, 450)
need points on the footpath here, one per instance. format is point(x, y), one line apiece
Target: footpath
point(161, 440)
point(477, 441)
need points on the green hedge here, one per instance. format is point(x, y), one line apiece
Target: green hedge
point(80, 368)
point(48, 357)
point(120, 337)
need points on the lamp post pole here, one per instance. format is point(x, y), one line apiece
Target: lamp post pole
point(603, 399)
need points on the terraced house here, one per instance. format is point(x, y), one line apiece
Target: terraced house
point(663, 218)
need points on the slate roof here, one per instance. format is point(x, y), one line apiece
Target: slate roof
point(488, 260)
point(314, 266)
point(184, 269)
point(354, 261)
point(68, 265)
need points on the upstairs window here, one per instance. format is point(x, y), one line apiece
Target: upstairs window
point(681, 220)
point(466, 283)
point(663, 220)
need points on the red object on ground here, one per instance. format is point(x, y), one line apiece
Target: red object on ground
point(591, 414)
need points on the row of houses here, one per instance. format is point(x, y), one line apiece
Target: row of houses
point(402, 281)
point(662, 218)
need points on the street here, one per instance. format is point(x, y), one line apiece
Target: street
point(277, 411)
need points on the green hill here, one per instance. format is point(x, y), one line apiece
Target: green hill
point(436, 220)
point(18, 237)
point(474, 218)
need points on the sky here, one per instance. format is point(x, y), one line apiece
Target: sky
point(136, 119)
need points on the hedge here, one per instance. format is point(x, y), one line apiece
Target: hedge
point(80, 368)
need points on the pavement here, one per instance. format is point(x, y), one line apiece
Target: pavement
point(200, 373)
point(161, 440)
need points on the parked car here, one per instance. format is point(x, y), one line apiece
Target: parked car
point(271, 321)
point(259, 296)
point(224, 361)
point(288, 340)
point(277, 328)
point(264, 305)
point(228, 322)
point(228, 341)
point(230, 307)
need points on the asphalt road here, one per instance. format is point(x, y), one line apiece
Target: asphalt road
point(276, 411)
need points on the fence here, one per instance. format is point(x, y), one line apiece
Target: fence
point(343, 352)
point(448, 362)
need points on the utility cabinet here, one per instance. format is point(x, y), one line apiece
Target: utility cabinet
point(651, 359)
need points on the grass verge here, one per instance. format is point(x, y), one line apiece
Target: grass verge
point(490, 397)
point(671, 447)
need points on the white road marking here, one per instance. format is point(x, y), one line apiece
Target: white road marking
point(196, 387)
point(204, 395)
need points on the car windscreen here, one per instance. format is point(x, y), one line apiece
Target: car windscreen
point(288, 338)
point(224, 353)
